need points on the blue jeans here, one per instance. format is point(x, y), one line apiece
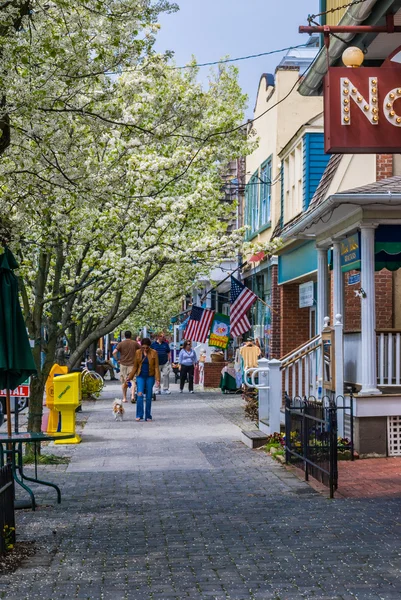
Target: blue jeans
point(144, 386)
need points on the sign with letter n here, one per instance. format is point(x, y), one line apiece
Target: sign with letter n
point(362, 109)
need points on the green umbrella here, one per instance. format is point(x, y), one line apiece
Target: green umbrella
point(16, 360)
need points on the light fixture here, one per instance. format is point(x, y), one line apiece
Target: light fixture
point(353, 57)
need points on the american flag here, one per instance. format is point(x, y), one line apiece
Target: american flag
point(241, 300)
point(200, 321)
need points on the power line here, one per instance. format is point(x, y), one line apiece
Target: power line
point(218, 62)
point(251, 121)
point(229, 60)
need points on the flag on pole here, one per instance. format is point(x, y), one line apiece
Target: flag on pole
point(241, 300)
point(199, 324)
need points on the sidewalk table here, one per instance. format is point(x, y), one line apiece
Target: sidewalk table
point(11, 451)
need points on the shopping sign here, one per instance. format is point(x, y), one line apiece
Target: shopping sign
point(220, 331)
point(350, 253)
point(22, 391)
point(362, 109)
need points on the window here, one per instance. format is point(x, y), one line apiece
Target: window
point(293, 183)
point(265, 192)
point(258, 198)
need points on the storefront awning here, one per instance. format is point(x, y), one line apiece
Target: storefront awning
point(388, 247)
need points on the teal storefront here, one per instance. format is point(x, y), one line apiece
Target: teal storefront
point(297, 263)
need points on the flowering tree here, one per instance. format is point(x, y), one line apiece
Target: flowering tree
point(111, 183)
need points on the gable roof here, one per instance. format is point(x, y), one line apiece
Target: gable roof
point(325, 181)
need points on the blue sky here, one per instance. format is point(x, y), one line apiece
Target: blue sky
point(211, 29)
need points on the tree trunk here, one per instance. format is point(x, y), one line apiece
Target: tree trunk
point(92, 354)
point(36, 403)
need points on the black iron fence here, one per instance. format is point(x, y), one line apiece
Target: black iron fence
point(7, 520)
point(311, 436)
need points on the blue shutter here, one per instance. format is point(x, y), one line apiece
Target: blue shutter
point(314, 163)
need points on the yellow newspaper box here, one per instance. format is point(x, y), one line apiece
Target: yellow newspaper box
point(54, 415)
point(67, 397)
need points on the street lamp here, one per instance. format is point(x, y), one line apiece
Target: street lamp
point(353, 57)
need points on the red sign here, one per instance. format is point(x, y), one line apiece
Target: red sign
point(22, 391)
point(362, 109)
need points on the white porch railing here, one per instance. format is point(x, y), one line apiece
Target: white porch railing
point(388, 357)
point(301, 368)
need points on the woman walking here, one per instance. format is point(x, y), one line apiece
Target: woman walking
point(146, 369)
point(187, 359)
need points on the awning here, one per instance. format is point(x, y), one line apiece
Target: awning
point(388, 247)
point(257, 257)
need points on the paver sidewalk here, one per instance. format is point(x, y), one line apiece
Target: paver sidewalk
point(179, 508)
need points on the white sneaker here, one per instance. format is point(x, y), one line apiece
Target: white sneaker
point(181, 391)
point(164, 392)
point(191, 392)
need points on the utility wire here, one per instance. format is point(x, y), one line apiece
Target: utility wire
point(229, 60)
point(217, 62)
point(251, 121)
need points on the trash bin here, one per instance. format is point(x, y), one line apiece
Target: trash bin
point(67, 397)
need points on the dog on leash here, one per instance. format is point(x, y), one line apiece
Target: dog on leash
point(118, 410)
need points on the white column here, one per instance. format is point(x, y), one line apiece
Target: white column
point(338, 281)
point(368, 312)
point(322, 284)
point(270, 395)
point(339, 370)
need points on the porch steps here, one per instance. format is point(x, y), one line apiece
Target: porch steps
point(254, 439)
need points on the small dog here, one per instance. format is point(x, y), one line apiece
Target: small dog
point(118, 410)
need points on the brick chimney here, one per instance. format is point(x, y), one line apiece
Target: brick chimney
point(384, 166)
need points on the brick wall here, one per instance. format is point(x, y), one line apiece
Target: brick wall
point(384, 166)
point(384, 299)
point(352, 305)
point(275, 337)
point(213, 374)
point(294, 323)
point(384, 302)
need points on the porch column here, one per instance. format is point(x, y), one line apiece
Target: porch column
point(338, 281)
point(322, 285)
point(338, 311)
point(368, 312)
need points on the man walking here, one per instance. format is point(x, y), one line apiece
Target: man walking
point(127, 349)
point(163, 350)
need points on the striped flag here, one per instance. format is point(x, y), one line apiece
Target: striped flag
point(241, 300)
point(199, 324)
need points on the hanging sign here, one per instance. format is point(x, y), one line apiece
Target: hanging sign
point(220, 331)
point(306, 294)
point(350, 253)
point(354, 279)
point(362, 108)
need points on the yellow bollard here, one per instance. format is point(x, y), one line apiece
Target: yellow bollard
point(67, 397)
point(52, 424)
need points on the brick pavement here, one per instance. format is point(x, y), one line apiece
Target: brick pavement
point(370, 478)
point(179, 508)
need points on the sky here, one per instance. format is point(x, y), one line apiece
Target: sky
point(212, 29)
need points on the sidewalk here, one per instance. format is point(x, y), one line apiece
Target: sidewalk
point(180, 508)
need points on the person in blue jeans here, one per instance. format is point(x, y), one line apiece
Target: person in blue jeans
point(146, 369)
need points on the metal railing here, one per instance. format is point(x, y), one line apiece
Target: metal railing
point(311, 441)
point(7, 518)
